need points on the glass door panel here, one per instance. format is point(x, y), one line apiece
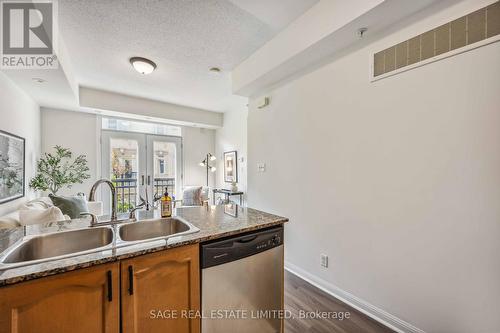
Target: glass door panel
point(124, 171)
point(165, 164)
point(123, 159)
point(164, 167)
point(139, 165)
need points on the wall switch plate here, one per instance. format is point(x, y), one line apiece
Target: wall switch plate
point(324, 260)
point(261, 167)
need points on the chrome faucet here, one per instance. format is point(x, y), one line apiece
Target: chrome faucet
point(113, 195)
point(93, 218)
point(131, 215)
point(144, 204)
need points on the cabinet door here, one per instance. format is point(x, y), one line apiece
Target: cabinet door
point(82, 301)
point(159, 289)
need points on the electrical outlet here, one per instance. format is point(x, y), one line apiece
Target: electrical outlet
point(324, 260)
point(261, 167)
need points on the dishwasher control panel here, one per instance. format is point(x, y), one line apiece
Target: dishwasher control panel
point(241, 246)
point(274, 241)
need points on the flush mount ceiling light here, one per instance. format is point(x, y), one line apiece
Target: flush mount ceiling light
point(362, 31)
point(143, 65)
point(38, 80)
point(215, 71)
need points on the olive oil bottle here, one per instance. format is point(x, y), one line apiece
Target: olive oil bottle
point(166, 205)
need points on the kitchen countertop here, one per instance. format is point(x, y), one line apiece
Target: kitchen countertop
point(213, 221)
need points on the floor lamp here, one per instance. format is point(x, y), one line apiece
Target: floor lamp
point(206, 163)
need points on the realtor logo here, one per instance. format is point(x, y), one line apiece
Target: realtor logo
point(28, 34)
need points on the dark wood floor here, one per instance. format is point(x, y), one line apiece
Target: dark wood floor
point(300, 295)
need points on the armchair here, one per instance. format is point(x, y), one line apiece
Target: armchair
point(193, 196)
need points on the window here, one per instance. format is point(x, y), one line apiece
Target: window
point(162, 166)
point(115, 124)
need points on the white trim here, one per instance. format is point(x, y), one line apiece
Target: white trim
point(98, 129)
point(368, 309)
point(445, 55)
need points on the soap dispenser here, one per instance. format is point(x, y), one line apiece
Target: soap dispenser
point(166, 205)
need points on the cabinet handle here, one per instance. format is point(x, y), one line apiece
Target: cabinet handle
point(130, 280)
point(142, 180)
point(149, 180)
point(110, 286)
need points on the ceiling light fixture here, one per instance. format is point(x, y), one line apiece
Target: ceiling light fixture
point(215, 71)
point(38, 80)
point(362, 31)
point(143, 65)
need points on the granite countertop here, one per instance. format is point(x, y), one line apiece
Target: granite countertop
point(213, 221)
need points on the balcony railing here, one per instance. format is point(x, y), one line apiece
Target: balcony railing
point(127, 195)
point(160, 184)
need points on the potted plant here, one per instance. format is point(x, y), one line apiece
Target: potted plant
point(234, 187)
point(58, 170)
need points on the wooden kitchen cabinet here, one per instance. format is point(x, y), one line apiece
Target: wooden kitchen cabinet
point(159, 289)
point(160, 292)
point(82, 301)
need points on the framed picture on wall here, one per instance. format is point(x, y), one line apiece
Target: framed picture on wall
point(12, 175)
point(230, 167)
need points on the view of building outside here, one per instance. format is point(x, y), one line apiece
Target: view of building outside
point(124, 171)
point(164, 167)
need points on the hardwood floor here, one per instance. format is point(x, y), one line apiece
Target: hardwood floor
point(300, 295)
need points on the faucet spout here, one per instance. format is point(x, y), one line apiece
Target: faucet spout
point(113, 195)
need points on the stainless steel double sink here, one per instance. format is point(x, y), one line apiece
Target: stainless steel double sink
point(53, 246)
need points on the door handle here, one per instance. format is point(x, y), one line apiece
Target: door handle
point(142, 180)
point(149, 180)
point(110, 286)
point(130, 280)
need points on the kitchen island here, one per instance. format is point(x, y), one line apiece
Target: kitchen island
point(122, 284)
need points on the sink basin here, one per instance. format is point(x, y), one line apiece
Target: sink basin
point(58, 245)
point(158, 228)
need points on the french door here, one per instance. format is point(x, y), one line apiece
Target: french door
point(140, 165)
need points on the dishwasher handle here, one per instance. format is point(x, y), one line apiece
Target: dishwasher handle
point(246, 239)
point(220, 252)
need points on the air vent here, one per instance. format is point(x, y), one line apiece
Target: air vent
point(467, 30)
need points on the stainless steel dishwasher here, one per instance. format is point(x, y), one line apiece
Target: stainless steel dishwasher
point(242, 283)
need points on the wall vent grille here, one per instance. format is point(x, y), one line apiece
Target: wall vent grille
point(466, 30)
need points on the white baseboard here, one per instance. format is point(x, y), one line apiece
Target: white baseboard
point(370, 310)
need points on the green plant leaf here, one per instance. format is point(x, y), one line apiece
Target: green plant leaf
point(58, 170)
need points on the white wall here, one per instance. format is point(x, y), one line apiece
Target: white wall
point(398, 181)
point(77, 131)
point(20, 115)
point(197, 143)
point(81, 133)
point(232, 136)
point(131, 106)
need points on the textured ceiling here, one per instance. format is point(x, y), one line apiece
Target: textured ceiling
point(184, 37)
